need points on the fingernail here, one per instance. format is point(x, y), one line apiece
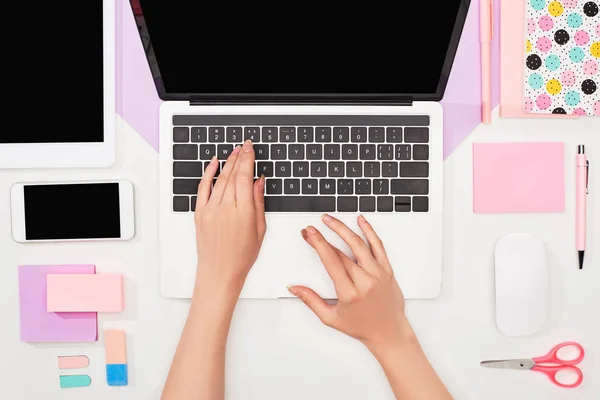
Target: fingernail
point(311, 229)
point(236, 150)
point(213, 159)
point(292, 291)
point(303, 233)
point(361, 218)
point(327, 218)
point(248, 145)
point(262, 181)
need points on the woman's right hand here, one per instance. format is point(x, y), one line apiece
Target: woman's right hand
point(370, 303)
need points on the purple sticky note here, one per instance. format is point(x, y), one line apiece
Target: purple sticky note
point(39, 325)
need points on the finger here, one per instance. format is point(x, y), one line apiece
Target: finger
point(223, 180)
point(244, 181)
point(322, 310)
point(229, 197)
point(375, 243)
point(328, 255)
point(359, 248)
point(259, 204)
point(205, 185)
point(355, 272)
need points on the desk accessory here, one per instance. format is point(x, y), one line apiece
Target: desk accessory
point(486, 16)
point(551, 365)
point(85, 293)
point(581, 191)
point(39, 325)
point(73, 362)
point(521, 284)
point(563, 52)
point(518, 177)
point(116, 357)
point(74, 381)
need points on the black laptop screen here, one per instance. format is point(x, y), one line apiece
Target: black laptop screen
point(300, 48)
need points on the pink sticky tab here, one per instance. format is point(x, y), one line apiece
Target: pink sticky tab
point(82, 293)
point(114, 342)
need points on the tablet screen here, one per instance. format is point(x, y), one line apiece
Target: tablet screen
point(58, 70)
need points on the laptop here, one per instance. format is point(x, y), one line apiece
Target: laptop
point(342, 107)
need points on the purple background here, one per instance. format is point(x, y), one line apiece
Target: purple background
point(138, 102)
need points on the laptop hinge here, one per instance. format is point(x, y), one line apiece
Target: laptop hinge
point(207, 101)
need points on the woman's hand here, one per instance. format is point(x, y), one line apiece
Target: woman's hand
point(370, 303)
point(230, 222)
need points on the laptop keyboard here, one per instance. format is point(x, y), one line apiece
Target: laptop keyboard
point(320, 163)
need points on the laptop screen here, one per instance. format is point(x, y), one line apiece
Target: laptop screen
point(299, 49)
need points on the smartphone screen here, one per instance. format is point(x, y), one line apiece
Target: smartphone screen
point(73, 211)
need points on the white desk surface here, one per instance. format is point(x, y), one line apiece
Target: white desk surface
point(278, 349)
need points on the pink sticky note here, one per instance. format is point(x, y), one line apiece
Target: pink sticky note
point(518, 177)
point(79, 293)
point(39, 325)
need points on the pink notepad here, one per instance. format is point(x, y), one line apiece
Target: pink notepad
point(518, 177)
point(85, 293)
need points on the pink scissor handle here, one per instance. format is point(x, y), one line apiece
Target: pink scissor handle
point(551, 373)
point(552, 356)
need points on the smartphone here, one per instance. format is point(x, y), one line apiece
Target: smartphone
point(72, 211)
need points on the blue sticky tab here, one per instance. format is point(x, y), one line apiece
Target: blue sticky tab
point(116, 374)
point(73, 381)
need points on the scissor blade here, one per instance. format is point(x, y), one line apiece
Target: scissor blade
point(526, 363)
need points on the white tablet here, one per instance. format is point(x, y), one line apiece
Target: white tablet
point(68, 57)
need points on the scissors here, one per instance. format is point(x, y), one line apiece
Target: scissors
point(550, 364)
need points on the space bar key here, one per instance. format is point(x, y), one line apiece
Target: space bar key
point(300, 204)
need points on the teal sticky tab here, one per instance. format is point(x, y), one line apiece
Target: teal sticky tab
point(73, 381)
point(116, 374)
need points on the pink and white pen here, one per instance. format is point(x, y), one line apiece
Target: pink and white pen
point(486, 16)
point(581, 191)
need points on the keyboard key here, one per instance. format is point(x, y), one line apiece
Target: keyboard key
point(345, 186)
point(362, 186)
point(287, 135)
point(261, 151)
point(207, 151)
point(367, 204)
point(414, 169)
point(216, 134)
point(371, 169)
point(420, 204)
point(252, 133)
point(381, 186)
point(318, 169)
point(385, 151)
point(185, 151)
point(291, 186)
point(265, 168)
point(402, 204)
point(416, 135)
point(283, 169)
point(269, 134)
point(403, 152)
point(301, 169)
point(193, 203)
point(349, 152)
point(394, 135)
point(224, 150)
point(296, 152)
point(314, 152)
point(354, 169)
point(310, 186)
point(389, 169)
point(199, 134)
point(347, 204)
point(410, 186)
point(367, 152)
point(320, 204)
point(327, 186)
point(306, 134)
point(181, 134)
point(385, 204)
point(421, 152)
point(323, 134)
point(332, 151)
point(341, 134)
point(185, 186)
point(219, 168)
point(181, 204)
point(376, 135)
point(188, 169)
point(358, 134)
point(274, 186)
point(279, 152)
point(336, 169)
point(233, 134)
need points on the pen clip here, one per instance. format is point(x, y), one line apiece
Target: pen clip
point(587, 177)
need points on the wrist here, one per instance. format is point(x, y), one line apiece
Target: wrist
point(401, 340)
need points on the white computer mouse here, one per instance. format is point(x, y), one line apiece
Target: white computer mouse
point(521, 280)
